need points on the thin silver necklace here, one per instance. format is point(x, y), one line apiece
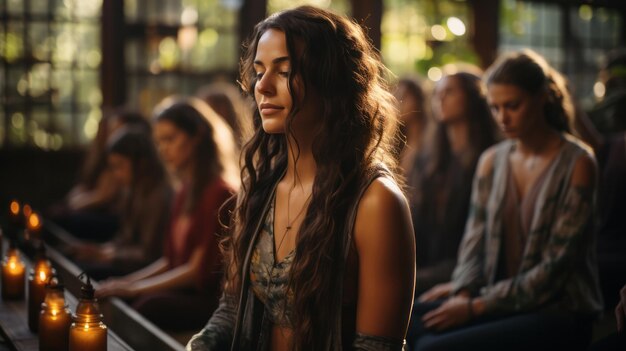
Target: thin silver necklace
point(290, 222)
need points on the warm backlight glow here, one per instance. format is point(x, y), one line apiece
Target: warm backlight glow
point(599, 90)
point(438, 32)
point(435, 74)
point(12, 265)
point(86, 328)
point(456, 26)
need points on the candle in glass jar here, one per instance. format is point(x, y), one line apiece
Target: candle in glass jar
point(88, 337)
point(37, 279)
point(87, 332)
point(13, 272)
point(54, 321)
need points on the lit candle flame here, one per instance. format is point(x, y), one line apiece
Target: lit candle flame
point(27, 210)
point(12, 265)
point(34, 222)
point(15, 208)
point(86, 327)
point(42, 276)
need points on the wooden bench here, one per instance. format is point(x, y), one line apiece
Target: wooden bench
point(14, 323)
point(134, 329)
point(128, 330)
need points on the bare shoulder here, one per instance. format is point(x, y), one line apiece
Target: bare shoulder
point(486, 160)
point(384, 240)
point(383, 213)
point(383, 192)
point(584, 172)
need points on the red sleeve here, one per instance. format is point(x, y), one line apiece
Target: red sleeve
point(169, 233)
point(207, 236)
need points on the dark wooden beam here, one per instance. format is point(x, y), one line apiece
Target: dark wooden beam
point(112, 75)
point(484, 36)
point(251, 13)
point(622, 37)
point(369, 13)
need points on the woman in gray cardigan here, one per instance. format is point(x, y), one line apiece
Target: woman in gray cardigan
point(526, 276)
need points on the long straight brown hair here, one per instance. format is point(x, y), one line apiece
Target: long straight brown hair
point(332, 56)
point(214, 155)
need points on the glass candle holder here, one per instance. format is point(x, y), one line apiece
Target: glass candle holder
point(87, 332)
point(13, 273)
point(38, 277)
point(54, 320)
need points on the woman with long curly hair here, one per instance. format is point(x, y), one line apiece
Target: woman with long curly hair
point(321, 253)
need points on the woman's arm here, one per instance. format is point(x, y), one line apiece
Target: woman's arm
point(468, 273)
point(218, 333)
point(179, 277)
point(157, 267)
point(383, 235)
point(107, 187)
point(122, 286)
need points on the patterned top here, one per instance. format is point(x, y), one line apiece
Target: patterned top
point(269, 279)
point(241, 325)
point(558, 268)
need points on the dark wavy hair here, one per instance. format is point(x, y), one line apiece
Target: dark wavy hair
point(529, 71)
point(95, 160)
point(136, 144)
point(414, 88)
point(482, 133)
point(333, 57)
point(214, 154)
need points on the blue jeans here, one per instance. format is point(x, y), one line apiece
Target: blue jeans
point(533, 331)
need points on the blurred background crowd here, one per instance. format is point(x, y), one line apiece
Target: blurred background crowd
point(122, 121)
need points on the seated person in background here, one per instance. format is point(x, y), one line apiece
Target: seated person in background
point(414, 117)
point(181, 289)
point(605, 130)
point(134, 163)
point(611, 152)
point(91, 210)
point(609, 115)
point(226, 100)
point(526, 277)
point(440, 178)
